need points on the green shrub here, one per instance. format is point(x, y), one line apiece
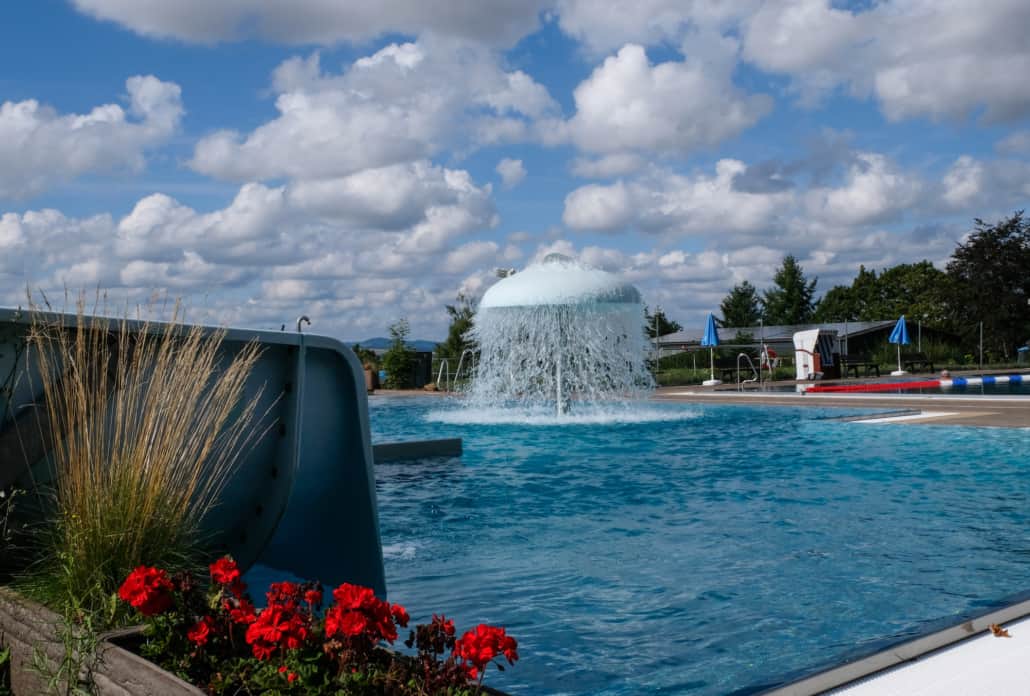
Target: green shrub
point(397, 360)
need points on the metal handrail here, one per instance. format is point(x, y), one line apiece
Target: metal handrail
point(461, 361)
point(443, 374)
point(750, 364)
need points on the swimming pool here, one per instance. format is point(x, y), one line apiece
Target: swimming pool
point(708, 550)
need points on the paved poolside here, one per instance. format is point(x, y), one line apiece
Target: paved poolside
point(968, 658)
point(991, 411)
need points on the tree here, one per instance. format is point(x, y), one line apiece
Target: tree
point(915, 289)
point(457, 341)
point(741, 307)
point(664, 324)
point(838, 304)
point(397, 359)
point(366, 356)
point(790, 301)
point(990, 283)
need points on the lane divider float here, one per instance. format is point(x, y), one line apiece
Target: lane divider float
point(924, 384)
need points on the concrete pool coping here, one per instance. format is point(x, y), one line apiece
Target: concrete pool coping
point(948, 661)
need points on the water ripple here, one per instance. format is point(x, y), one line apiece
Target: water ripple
point(704, 551)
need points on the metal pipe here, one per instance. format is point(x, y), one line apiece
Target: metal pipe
point(981, 345)
point(657, 349)
point(443, 374)
point(762, 355)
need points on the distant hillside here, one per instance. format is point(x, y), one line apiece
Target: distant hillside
point(382, 343)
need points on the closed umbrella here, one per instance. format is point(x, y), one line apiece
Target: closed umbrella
point(711, 339)
point(899, 336)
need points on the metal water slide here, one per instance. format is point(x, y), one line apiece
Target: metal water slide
point(302, 498)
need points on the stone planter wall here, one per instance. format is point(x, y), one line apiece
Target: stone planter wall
point(26, 627)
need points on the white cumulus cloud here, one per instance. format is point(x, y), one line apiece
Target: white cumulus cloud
point(403, 103)
point(605, 25)
point(512, 172)
point(317, 21)
point(669, 203)
point(348, 249)
point(677, 107)
point(944, 59)
point(874, 191)
point(40, 147)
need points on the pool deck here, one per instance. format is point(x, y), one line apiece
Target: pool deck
point(932, 409)
point(968, 658)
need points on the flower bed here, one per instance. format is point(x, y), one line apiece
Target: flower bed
point(216, 639)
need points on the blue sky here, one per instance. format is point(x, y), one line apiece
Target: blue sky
point(362, 162)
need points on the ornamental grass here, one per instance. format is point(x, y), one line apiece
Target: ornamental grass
point(147, 423)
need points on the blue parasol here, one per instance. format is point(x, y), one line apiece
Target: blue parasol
point(899, 336)
point(711, 339)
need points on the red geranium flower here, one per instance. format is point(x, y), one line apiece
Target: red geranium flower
point(313, 597)
point(224, 571)
point(358, 612)
point(148, 590)
point(478, 647)
point(284, 593)
point(276, 627)
point(350, 596)
point(243, 614)
point(400, 615)
point(201, 631)
point(262, 651)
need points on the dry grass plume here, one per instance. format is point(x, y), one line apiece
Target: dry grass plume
point(148, 424)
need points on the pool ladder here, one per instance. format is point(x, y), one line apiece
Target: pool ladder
point(445, 376)
point(756, 377)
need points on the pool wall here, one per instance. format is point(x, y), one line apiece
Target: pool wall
point(308, 478)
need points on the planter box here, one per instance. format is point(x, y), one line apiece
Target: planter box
point(26, 627)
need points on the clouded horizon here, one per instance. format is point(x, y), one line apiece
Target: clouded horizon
point(363, 162)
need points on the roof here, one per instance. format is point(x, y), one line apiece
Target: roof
point(777, 334)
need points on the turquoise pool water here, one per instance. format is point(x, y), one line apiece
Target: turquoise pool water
point(718, 549)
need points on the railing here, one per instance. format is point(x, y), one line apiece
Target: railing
point(755, 375)
point(446, 380)
point(443, 375)
point(461, 361)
